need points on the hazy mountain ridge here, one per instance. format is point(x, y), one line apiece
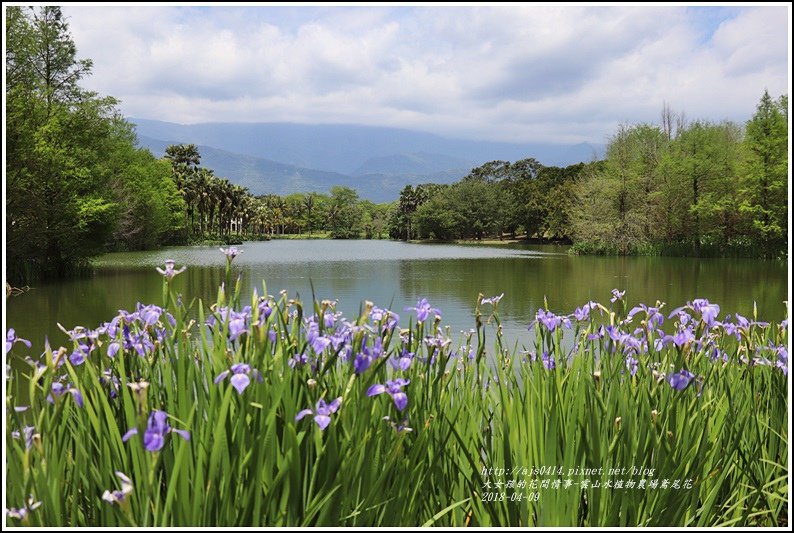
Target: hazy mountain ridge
point(282, 158)
point(345, 148)
point(413, 163)
point(263, 176)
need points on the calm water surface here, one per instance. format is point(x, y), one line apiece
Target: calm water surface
point(396, 275)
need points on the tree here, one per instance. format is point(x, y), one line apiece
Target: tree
point(764, 187)
point(59, 208)
point(185, 159)
point(344, 213)
point(308, 207)
point(149, 204)
point(408, 203)
point(440, 218)
point(703, 187)
point(615, 205)
point(77, 185)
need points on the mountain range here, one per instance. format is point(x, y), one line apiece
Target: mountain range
point(282, 158)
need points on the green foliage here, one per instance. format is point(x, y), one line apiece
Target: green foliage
point(344, 213)
point(71, 162)
point(614, 202)
point(496, 198)
point(401, 222)
point(707, 187)
point(438, 218)
point(150, 206)
point(765, 181)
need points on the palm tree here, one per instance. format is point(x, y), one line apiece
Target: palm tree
point(240, 202)
point(185, 159)
point(203, 183)
point(308, 204)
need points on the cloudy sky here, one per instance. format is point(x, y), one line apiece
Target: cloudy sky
point(560, 74)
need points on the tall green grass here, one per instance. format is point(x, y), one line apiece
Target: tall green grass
point(472, 407)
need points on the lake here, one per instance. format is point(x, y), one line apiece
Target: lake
point(397, 274)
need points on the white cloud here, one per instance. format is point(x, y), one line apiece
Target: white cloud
point(553, 74)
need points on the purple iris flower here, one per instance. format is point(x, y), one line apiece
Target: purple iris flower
point(404, 361)
point(548, 361)
point(683, 318)
point(631, 365)
point(59, 389)
point(782, 359)
point(391, 321)
point(237, 326)
point(317, 341)
point(439, 341)
point(265, 310)
point(717, 354)
point(11, 339)
point(113, 349)
point(169, 271)
point(237, 320)
point(617, 295)
point(550, 320)
point(322, 413)
point(329, 319)
point(81, 353)
point(680, 380)
point(141, 343)
point(732, 329)
point(367, 355)
point(683, 336)
point(634, 344)
point(361, 363)
point(298, 360)
point(239, 379)
point(423, 310)
point(600, 333)
point(394, 388)
point(111, 381)
point(707, 311)
point(492, 300)
point(320, 343)
point(22, 513)
point(583, 313)
point(112, 327)
point(75, 334)
point(28, 431)
point(149, 314)
point(338, 340)
point(655, 318)
point(614, 333)
point(231, 252)
point(742, 322)
point(156, 430)
point(118, 496)
point(377, 315)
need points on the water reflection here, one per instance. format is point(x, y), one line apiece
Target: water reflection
point(397, 274)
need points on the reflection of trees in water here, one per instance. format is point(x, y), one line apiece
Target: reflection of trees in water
point(331, 280)
point(568, 282)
